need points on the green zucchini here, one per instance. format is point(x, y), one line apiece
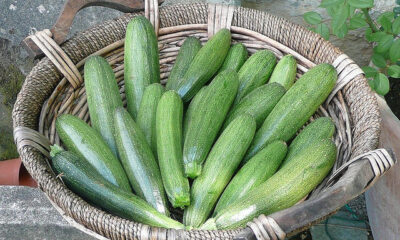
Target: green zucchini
point(169, 148)
point(284, 189)
point(219, 167)
point(295, 107)
point(83, 179)
point(255, 72)
point(204, 65)
point(322, 128)
point(187, 52)
point(285, 72)
point(138, 161)
point(258, 103)
point(141, 63)
point(83, 140)
point(207, 120)
point(146, 118)
point(236, 57)
point(192, 108)
point(102, 97)
point(256, 171)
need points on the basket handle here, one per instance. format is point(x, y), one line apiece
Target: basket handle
point(64, 22)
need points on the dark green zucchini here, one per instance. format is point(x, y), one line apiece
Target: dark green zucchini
point(83, 140)
point(187, 52)
point(102, 97)
point(84, 180)
point(139, 162)
point(204, 65)
point(146, 118)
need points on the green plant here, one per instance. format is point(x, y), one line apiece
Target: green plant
point(348, 15)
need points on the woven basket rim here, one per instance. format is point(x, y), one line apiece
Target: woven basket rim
point(23, 117)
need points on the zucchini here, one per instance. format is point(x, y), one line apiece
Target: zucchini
point(138, 161)
point(102, 97)
point(236, 57)
point(295, 108)
point(255, 72)
point(258, 103)
point(141, 63)
point(285, 72)
point(219, 167)
point(322, 128)
point(207, 120)
point(192, 108)
point(84, 180)
point(169, 148)
point(146, 118)
point(256, 171)
point(187, 52)
point(204, 65)
point(83, 140)
point(284, 189)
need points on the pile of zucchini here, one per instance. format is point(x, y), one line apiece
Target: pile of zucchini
point(212, 142)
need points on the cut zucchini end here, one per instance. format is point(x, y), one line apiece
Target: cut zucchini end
point(181, 201)
point(192, 170)
point(55, 149)
point(210, 224)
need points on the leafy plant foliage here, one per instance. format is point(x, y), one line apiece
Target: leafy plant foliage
point(348, 15)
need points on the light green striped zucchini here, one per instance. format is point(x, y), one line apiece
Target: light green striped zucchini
point(256, 171)
point(255, 72)
point(102, 97)
point(207, 120)
point(285, 72)
point(219, 168)
point(169, 148)
point(186, 54)
point(236, 57)
point(141, 61)
point(295, 107)
point(146, 118)
point(139, 162)
point(284, 189)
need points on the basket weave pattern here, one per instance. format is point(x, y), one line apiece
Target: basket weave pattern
point(47, 94)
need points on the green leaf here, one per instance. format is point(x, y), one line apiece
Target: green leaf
point(328, 3)
point(394, 52)
point(398, 2)
point(381, 84)
point(369, 71)
point(385, 20)
point(341, 32)
point(385, 44)
point(378, 36)
point(371, 83)
point(394, 71)
point(312, 18)
point(340, 18)
point(396, 26)
point(368, 34)
point(323, 30)
point(357, 22)
point(378, 60)
point(361, 3)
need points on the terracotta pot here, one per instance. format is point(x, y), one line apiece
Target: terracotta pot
point(13, 172)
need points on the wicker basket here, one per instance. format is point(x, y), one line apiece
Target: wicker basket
point(55, 86)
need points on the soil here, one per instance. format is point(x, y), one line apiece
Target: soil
point(393, 97)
